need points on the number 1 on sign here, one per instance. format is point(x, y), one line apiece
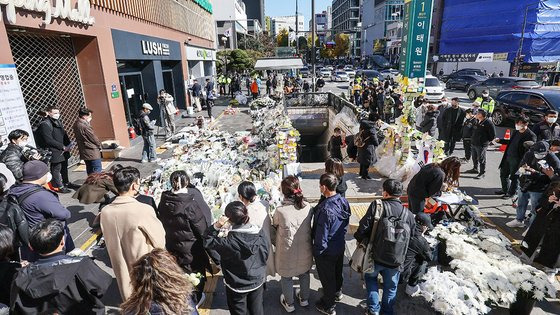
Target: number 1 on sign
point(423, 6)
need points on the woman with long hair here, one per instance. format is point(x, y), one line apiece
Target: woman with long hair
point(335, 166)
point(293, 256)
point(185, 217)
point(159, 286)
point(243, 250)
point(97, 187)
point(432, 179)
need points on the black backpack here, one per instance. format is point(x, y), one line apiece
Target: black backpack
point(14, 218)
point(392, 238)
point(138, 124)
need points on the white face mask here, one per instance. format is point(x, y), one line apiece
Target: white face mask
point(55, 116)
point(540, 156)
point(89, 119)
point(551, 120)
point(49, 177)
point(485, 95)
point(23, 143)
point(518, 127)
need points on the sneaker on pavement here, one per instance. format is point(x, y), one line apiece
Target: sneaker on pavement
point(472, 171)
point(363, 304)
point(324, 310)
point(338, 297)
point(302, 302)
point(144, 161)
point(480, 176)
point(506, 196)
point(412, 290)
point(515, 223)
point(289, 308)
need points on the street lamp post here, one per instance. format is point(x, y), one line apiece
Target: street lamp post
point(313, 52)
point(224, 40)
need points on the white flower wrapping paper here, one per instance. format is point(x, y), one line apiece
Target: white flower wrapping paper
point(483, 258)
point(217, 161)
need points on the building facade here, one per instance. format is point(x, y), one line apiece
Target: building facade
point(379, 18)
point(346, 19)
point(255, 10)
point(278, 23)
point(110, 56)
point(231, 23)
point(322, 26)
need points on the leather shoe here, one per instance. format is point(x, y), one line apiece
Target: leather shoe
point(480, 176)
point(472, 171)
point(73, 186)
point(499, 192)
point(63, 190)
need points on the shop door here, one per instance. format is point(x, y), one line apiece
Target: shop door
point(168, 85)
point(132, 89)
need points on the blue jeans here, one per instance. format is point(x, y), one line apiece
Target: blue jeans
point(390, 283)
point(93, 166)
point(523, 201)
point(149, 150)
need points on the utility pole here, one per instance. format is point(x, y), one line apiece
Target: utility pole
point(297, 29)
point(313, 57)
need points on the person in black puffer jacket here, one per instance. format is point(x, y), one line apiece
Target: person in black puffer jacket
point(429, 124)
point(185, 217)
point(13, 155)
point(366, 149)
point(243, 250)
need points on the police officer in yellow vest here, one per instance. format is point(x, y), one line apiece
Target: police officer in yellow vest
point(486, 102)
point(222, 84)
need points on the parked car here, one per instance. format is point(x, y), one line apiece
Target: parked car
point(325, 73)
point(434, 89)
point(532, 103)
point(390, 73)
point(305, 73)
point(370, 74)
point(464, 82)
point(496, 85)
point(461, 72)
point(340, 76)
point(351, 73)
point(330, 68)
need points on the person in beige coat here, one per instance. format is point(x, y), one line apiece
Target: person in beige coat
point(291, 226)
point(131, 229)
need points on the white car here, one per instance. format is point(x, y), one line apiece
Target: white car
point(351, 73)
point(325, 73)
point(340, 76)
point(434, 89)
point(330, 68)
point(390, 73)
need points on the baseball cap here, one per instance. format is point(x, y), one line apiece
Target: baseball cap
point(424, 220)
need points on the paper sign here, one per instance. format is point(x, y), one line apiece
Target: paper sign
point(130, 93)
point(13, 112)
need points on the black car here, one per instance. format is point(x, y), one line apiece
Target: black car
point(370, 74)
point(532, 103)
point(464, 82)
point(462, 72)
point(496, 85)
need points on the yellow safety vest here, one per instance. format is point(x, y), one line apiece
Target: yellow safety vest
point(488, 106)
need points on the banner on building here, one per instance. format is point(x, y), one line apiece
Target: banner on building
point(473, 57)
point(13, 113)
point(416, 37)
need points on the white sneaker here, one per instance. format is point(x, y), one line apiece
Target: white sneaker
point(289, 308)
point(525, 232)
point(515, 223)
point(412, 290)
point(156, 160)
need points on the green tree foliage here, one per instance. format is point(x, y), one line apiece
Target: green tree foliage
point(342, 45)
point(238, 60)
point(282, 38)
point(303, 43)
point(263, 43)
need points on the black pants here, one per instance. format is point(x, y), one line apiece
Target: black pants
point(59, 172)
point(479, 158)
point(416, 272)
point(249, 303)
point(209, 104)
point(467, 146)
point(509, 180)
point(416, 205)
point(449, 147)
point(329, 269)
point(364, 169)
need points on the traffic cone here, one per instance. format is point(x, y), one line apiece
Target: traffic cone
point(506, 137)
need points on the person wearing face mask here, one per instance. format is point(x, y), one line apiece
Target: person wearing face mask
point(515, 151)
point(13, 156)
point(39, 203)
point(441, 109)
point(130, 228)
point(88, 143)
point(486, 102)
point(148, 127)
point(451, 124)
point(483, 133)
point(466, 134)
point(54, 138)
point(548, 129)
point(534, 180)
point(388, 107)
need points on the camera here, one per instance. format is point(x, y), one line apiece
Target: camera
point(29, 153)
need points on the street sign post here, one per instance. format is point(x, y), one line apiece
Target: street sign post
point(416, 37)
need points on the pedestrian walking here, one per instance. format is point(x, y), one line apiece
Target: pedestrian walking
point(89, 145)
point(243, 251)
point(442, 107)
point(366, 141)
point(185, 217)
point(166, 102)
point(388, 107)
point(336, 143)
point(147, 131)
point(432, 179)
point(255, 89)
point(330, 224)
point(320, 84)
point(335, 166)
point(291, 226)
point(130, 228)
point(545, 79)
point(395, 223)
point(159, 286)
point(429, 123)
point(418, 254)
point(483, 133)
point(548, 129)
point(69, 285)
point(268, 87)
point(534, 180)
point(54, 138)
point(196, 92)
point(452, 122)
point(515, 151)
point(466, 133)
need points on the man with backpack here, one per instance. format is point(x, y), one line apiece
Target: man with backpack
point(37, 204)
point(390, 237)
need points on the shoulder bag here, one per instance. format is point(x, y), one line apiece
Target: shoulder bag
point(361, 260)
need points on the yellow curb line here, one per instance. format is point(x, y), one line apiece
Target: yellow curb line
point(92, 239)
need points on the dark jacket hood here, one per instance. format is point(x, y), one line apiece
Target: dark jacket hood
point(176, 199)
point(20, 189)
point(338, 202)
point(367, 124)
point(252, 242)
